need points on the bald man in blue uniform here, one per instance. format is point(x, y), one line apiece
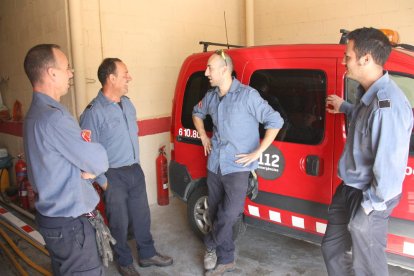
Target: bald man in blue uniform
point(60, 166)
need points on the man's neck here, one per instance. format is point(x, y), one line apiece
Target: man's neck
point(224, 88)
point(108, 93)
point(371, 79)
point(47, 90)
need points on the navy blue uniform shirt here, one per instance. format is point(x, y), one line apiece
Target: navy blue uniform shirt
point(236, 119)
point(56, 154)
point(115, 128)
point(376, 151)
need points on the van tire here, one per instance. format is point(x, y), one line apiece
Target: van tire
point(197, 213)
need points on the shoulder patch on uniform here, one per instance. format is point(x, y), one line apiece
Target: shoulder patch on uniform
point(86, 135)
point(384, 103)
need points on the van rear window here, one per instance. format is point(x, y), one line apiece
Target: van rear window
point(197, 87)
point(299, 96)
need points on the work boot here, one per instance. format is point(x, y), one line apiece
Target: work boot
point(128, 270)
point(157, 260)
point(210, 258)
point(221, 269)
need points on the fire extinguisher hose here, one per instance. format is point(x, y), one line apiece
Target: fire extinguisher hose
point(17, 232)
point(37, 267)
point(13, 260)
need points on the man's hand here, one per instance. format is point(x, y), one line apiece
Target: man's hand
point(333, 103)
point(86, 175)
point(246, 159)
point(206, 144)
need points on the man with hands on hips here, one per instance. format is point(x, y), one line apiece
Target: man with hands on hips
point(236, 110)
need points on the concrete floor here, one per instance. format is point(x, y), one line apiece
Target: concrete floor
point(258, 252)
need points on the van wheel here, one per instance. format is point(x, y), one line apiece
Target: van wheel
point(197, 212)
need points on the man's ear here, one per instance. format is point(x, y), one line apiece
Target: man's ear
point(366, 59)
point(51, 71)
point(111, 78)
point(225, 68)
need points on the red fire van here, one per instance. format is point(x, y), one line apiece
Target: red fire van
point(297, 174)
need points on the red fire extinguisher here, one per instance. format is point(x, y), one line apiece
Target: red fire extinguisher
point(21, 169)
point(24, 194)
point(162, 178)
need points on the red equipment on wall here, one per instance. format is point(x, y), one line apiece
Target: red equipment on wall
point(21, 169)
point(26, 193)
point(162, 177)
point(23, 195)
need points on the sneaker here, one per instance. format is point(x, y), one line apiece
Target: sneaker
point(157, 260)
point(210, 259)
point(128, 270)
point(221, 269)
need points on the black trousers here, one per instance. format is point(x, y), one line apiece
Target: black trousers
point(72, 245)
point(226, 197)
point(126, 201)
point(351, 230)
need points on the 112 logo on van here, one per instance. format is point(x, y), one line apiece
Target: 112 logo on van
point(271, 163)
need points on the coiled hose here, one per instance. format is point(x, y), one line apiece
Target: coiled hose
point(37, 267)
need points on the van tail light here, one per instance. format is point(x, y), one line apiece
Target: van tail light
point(172, 131)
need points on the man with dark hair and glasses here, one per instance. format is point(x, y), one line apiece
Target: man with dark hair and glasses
point(372, 165)
point(60, 164)
point(112, 119)
point(236, 110)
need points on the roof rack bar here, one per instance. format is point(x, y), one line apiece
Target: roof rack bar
point(207, 43)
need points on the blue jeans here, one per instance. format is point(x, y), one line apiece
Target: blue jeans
point(72, 245)
point(126, 201)
point(226, 197)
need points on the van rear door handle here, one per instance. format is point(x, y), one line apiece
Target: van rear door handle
point(314, 165)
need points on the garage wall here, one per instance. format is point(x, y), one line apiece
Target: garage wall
point(153, 38)
point(319, 21)
point(23, 24)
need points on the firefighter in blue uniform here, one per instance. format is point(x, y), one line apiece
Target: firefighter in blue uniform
point(113, 121)
point(236, 111)
point(60, 164)
point(373, 163)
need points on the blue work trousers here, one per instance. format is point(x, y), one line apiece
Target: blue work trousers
point(226, 197)
point(126, 201)
point(349, 228)
point(71, 243)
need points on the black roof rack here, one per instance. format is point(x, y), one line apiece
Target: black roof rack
point(206, 44)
